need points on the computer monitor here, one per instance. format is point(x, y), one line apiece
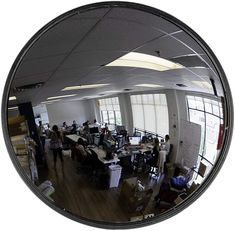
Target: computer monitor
point(94, 130)
point(120, 128)
point(134, 140)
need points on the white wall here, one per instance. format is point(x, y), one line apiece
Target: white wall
point(126, 111)
point(69, 111)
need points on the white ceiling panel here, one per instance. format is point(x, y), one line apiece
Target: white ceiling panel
point(167, 46)
point(42, 77)
point(146, 19)
point(76, 51)
point(117, 35)
point(40, 65)
point(90, 58)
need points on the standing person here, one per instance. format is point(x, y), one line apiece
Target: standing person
point(167, 144)
point(56, 144)
point(42, 135)
point(156, 147)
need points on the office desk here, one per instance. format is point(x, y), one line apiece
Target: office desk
point(102, 154)
point(75, 138)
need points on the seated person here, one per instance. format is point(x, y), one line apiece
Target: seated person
point(74, 127)
point(109, 136)
point(96, 124)
point(79, 151)
point(64, 126)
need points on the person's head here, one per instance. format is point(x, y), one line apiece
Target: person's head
point(64, 124)
point(95, 121)
point(74, 122)
point(55, 128)
point(156, 142)
point(40, 123)
point(167, 137)
point(81, 142)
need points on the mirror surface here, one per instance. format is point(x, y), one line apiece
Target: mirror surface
point(116, 115)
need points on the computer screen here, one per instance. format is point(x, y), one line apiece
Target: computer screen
point(134, 140)
point(94, 130)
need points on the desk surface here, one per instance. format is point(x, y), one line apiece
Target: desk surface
point(101, 155)
point(75, 137)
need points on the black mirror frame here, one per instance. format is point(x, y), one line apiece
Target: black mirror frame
point(228, 115)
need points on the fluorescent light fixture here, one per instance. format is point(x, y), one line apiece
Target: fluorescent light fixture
point(51, 101)
point(12, 108)
point(61, 96)
point(88, 86)
point(112, 91)
point(139, 60)
point(202, 84)
point(148, 85)
point(12, 98)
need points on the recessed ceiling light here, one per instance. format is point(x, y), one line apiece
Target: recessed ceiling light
point(88, 86)
point(139, 60)
point(50, 101)
point(148, 85)
point(61, 96)
point(12, 108)
point(12, 98)
point(202, 84)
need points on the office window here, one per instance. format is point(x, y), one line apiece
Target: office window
point(150, 113)
point(209, 114)
point(110, 111)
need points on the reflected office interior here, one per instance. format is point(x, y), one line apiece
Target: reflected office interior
point(139, 110)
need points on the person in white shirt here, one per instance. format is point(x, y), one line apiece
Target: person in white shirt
point(167, 144)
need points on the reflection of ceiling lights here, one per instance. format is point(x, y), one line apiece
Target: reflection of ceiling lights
point(51, 101)
point(139, 60)
point(12, 108)
point(12, 98)
point(109, 92)
point(202, 84)
point(148, 85)
point(79, 87)
point(61, 96)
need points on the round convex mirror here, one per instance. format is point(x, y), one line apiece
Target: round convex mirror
point(116, 115)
